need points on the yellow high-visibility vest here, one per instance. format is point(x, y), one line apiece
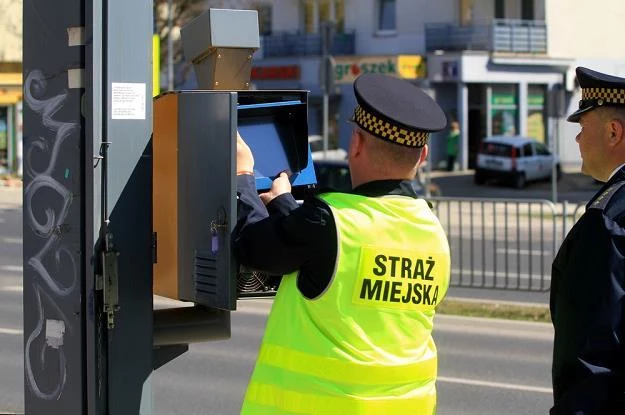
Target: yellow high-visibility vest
point(364, 346)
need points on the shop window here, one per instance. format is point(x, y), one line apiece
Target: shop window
point(504, 110)
point(386, 16)
point(536, 126)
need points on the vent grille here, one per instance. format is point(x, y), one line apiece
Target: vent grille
point(205, 272)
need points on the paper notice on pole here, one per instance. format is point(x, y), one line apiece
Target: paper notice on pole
point(128, 101)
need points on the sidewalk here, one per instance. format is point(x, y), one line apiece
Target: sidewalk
point(10, 197)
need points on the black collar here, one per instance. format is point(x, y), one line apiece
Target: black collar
point(617, 177)
point(386, 187)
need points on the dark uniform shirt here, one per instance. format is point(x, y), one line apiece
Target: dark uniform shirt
point(286, 236)
point(587, 308)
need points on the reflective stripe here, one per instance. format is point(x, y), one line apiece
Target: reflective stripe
point(285, 401)
point(346, 371)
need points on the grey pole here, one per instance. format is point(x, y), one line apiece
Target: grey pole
point(170, 45)
point(327, 78)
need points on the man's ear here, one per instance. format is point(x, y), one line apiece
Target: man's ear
point(357, 144)
point(616, 131)
point(424, 154)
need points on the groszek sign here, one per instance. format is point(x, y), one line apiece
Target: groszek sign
point(348, 68)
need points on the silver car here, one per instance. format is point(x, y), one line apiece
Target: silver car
point(514, 159)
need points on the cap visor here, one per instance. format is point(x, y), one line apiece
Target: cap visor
point(578, 114)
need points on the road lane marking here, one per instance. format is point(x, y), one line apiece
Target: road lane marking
point(11, 331)
point(498, 385)
point(11, 268)
point(12, 288)
point(9, 240)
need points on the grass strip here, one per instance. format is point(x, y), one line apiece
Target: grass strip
point(494, 310)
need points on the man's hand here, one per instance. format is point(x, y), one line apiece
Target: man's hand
point(279, 186)
point(245, 159)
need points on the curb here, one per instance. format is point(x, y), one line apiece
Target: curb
point(486, 308)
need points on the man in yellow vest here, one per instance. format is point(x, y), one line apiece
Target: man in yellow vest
point(350, 330)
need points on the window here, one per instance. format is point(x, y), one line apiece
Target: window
point(541, 150)
point(535, 122)
point(500, 10)
point(386, 15)
point(264, 18)
point(504, 109)
point(527, 9)
point(323, 11)
point(527, 150)
point(497, 149)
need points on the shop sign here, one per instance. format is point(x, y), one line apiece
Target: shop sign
point(503, 98)
point(265, 73)
point(537, 100)
point(348, 68)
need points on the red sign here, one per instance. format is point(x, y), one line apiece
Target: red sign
point(275, 72)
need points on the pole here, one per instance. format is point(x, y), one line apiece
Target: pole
point(327, 80)
point(170, 45)
point(326, 104)
point(554, 170)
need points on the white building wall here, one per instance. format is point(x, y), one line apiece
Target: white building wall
point(10, 30)
point(585, 29)
point(286, 15)
point(483, 10)
point(409, 38)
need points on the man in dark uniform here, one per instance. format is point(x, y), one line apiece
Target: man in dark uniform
point(588, 273)
point(350, 327)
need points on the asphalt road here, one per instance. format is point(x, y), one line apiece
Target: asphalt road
point(485, 367)
point(573, 187)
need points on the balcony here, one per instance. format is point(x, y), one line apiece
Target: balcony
point(500, 35)
point(296, 44)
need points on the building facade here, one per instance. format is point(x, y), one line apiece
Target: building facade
point(498, 67)
point(10, 86)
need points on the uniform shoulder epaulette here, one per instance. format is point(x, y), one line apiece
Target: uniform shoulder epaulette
point(604, 198)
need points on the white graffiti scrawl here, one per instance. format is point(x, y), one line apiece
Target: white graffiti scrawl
point(48, 283)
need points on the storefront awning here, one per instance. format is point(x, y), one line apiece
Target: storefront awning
point(10, 79)
point(10, 96)
point(10, 88)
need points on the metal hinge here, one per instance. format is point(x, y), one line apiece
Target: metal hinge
point(108, 282)
point(110, 286)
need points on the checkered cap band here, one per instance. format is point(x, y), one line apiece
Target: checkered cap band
point(608, 95)
point(387, 131)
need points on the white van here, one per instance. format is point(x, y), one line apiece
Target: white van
point(514, 159)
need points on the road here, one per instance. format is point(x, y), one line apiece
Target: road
point(573, 187)
point(486, 366)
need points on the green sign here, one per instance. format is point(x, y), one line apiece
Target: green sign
point(503, 98)
point(537, 100)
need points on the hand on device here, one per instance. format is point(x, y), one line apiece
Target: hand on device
point(280, 185)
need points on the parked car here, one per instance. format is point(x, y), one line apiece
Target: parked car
point(335, 174)
point(514, 159)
